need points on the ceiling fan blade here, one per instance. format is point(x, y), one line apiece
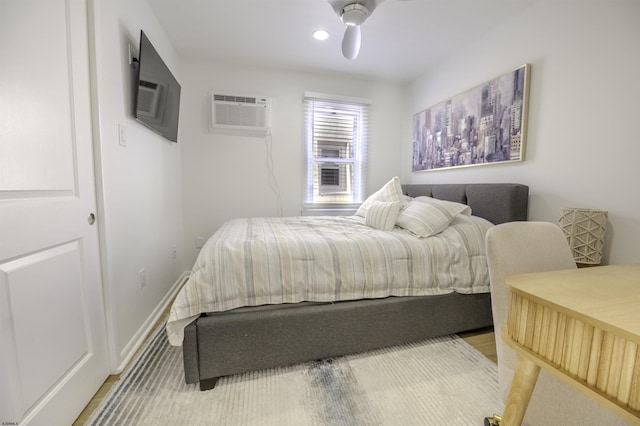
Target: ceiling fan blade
point(351, 42)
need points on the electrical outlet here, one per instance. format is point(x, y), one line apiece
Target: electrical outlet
point(199, 242)
point(142, 278)
point(174, 252)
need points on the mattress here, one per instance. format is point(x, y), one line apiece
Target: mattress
point(269, 261)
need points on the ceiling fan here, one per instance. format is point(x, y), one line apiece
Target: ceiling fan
point(353, 13)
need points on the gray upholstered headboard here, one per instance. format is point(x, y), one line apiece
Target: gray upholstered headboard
point(496, 202)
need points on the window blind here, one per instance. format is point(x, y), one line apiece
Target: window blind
point(336, 133)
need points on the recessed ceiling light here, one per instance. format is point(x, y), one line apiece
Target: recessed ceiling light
point(320, 35)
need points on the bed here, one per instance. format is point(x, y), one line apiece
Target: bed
point(227, 337)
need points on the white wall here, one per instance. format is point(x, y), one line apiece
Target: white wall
point(139, 185)
point(225, 176)
point(582, 146)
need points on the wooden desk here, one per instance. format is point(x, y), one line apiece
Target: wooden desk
point(583, 326)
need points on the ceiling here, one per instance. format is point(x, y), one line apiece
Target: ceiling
point(401, 39)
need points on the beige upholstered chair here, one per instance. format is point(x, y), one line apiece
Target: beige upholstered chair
point(522, 247)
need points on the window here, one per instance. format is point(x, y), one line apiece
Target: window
point(336, 146)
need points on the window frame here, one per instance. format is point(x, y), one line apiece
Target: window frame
point(335, 197)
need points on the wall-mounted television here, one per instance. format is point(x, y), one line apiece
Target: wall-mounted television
point(158, 94)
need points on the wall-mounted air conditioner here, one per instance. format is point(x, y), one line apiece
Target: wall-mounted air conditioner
point(245, 113)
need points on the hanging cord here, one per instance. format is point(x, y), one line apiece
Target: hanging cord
point(273, 183)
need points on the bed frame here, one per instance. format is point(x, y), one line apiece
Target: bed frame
point(246, 339)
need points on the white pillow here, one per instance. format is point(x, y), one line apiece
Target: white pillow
point(451, 206)
point(390, 192)
point(426, 216)
point(382, 215)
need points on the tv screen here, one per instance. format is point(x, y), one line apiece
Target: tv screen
point(158, 96)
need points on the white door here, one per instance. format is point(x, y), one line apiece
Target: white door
point(53, 354)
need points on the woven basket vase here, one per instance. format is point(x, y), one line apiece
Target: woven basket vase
point(585, 230)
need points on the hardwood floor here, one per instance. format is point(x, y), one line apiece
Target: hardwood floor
point(483, 340)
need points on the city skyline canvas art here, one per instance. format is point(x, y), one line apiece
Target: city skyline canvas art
point(483, 125)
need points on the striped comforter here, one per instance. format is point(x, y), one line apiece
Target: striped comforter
point(258, 261)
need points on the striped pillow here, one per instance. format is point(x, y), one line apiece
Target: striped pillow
point(382, 215)
point(426, 216)
point(391, 191)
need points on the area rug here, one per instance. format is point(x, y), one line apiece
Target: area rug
point(433, 382)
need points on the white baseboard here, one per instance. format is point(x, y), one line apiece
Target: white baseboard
point(147, 327)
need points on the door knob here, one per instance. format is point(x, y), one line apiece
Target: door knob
point(91, 219)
